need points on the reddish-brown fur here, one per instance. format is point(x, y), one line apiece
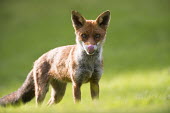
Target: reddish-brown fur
point(71, 63)
point(91, 27)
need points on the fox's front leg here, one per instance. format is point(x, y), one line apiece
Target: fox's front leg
point(94, 88)
point(76, 92)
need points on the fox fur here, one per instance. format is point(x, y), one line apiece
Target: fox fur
point(79, 63)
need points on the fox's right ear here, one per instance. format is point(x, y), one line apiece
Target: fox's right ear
point(77, 20)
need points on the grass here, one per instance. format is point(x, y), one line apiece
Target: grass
point(136, 53)
point(135, 92)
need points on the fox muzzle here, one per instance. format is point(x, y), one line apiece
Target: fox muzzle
point(90, 49)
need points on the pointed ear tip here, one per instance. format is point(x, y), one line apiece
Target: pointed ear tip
point(73, 12)
point(107, 11)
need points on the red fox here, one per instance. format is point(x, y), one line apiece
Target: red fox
point(79, 63)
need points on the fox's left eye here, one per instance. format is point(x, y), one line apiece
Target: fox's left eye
point(97, 36)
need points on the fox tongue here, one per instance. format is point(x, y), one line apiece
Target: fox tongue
point(90, 48)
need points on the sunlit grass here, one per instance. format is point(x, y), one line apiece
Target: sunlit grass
point(126, 92)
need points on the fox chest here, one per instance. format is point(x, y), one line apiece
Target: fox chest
point(86, 72)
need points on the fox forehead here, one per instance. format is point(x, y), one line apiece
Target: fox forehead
point(91, 27)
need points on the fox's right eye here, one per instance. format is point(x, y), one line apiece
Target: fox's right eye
point(84, 36)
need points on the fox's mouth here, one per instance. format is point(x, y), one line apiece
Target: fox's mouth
point(90, 53)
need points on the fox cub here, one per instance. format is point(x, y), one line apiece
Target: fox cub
point(79, 63)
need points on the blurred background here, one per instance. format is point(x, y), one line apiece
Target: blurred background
point(138, 38)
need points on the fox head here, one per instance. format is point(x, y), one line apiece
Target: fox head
point(90, 34)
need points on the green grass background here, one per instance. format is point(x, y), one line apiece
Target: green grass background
point(136, 53)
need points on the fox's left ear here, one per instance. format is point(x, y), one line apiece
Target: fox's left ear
point(103, 19)
point(77, 20)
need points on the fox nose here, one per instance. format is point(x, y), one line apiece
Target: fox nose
point(91, 48)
